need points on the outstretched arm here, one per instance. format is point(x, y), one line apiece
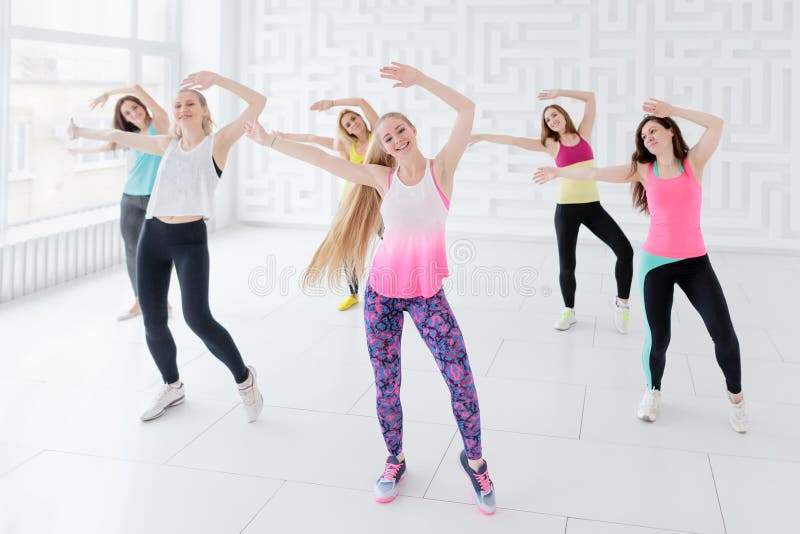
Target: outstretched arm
point(527, 143)
point(448, 157)
point(152, 144)
point(228, 135)
point(324, 142)
point(159, 114)
point(371, 175)
point(618, 174)
point(701, 152)
point(369, 112)
point(589, 110)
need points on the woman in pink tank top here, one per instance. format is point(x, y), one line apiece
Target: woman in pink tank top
point(666, 178)
point(578, 202)
point(397, 186)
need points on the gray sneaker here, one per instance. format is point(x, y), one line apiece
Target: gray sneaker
point(386, 486)
point(482, 486)
point(167, 398)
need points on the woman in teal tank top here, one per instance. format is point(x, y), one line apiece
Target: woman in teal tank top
point(353, 133)
point(135, 112)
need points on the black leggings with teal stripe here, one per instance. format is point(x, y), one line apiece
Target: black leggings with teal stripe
point(696, 277)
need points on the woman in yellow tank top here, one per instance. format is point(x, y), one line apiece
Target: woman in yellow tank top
point(352, 138)
point(578, 203)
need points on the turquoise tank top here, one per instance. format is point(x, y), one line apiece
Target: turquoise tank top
point(142, 175)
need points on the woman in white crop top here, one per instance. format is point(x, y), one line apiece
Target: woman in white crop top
point(174, 232)
point(399, 186)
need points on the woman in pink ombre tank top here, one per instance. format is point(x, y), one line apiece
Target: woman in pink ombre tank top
point(409, 194)
point(667, 184)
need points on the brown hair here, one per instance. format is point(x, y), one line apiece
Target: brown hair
point(641, 155)
point(548, 133)
point(208, 123)
point(121, 123)
point(357, 222)
point(344, 138)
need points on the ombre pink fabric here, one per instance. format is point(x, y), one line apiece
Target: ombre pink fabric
point(411, 260)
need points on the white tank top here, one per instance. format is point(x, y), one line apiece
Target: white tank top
point(411, 260)
point(185, 182)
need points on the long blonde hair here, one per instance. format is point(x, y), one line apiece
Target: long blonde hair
point(208, 123)
point(344, 138)
point(355, 225)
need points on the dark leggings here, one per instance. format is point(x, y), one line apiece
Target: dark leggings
point(132, 209)
point(568, 220)
point(696, 278)
point(185, 245)
point(352, 281)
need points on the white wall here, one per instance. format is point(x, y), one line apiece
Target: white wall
point(733, 59)
point(208, 42)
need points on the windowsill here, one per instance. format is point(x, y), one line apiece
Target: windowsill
point(57, 225)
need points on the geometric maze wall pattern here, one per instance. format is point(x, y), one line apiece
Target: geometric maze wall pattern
point(733, 59)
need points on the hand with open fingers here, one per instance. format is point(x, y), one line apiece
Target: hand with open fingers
point(200, 80)
point(99, 101)
point(544, 175)
point(72, 130)
point(255, 132)
point(405, 75)
point(547, 94)
point(656, 107)
point(321, 105)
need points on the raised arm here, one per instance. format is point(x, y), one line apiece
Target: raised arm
point(619, 174)
point(589, 110)
point(229, 134)
point(526, 143)
point(371, 175)
point(324, 142)
point(701, 152)
point(105, 147)
point(448, 157)
point(159, 114)
point(152, 144)
point(366, 109)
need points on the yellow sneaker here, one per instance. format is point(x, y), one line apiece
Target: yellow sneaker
point(348, 303)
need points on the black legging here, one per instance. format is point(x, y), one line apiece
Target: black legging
point(697, 279)
point(161, 244)
point(131, 218)
point(568, 220)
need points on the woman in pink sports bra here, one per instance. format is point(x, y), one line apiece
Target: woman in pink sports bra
point(666, 178)
point(578, 202)
point(410, 194)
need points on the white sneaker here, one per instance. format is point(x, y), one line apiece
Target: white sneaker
point(252, 399)
point(567, 320)
point(167, 398)
point(622, 314)
point(738, 417)
point(648, 408)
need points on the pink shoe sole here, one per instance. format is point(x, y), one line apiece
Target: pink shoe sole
point(384, 500)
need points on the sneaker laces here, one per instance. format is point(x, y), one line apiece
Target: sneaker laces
point(390, 471)
point(484, 481)
point(565, 315)
point(248, 395)
point(163, 393)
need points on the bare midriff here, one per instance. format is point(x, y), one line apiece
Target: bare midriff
point(180, 219)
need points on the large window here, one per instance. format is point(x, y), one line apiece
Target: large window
point(62, 54)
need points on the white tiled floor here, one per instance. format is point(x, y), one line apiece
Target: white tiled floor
point(565, 449)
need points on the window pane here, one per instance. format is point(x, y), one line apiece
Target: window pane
point(158, 80)
point(157, 20)
point(49, 84)
point(100, 17)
